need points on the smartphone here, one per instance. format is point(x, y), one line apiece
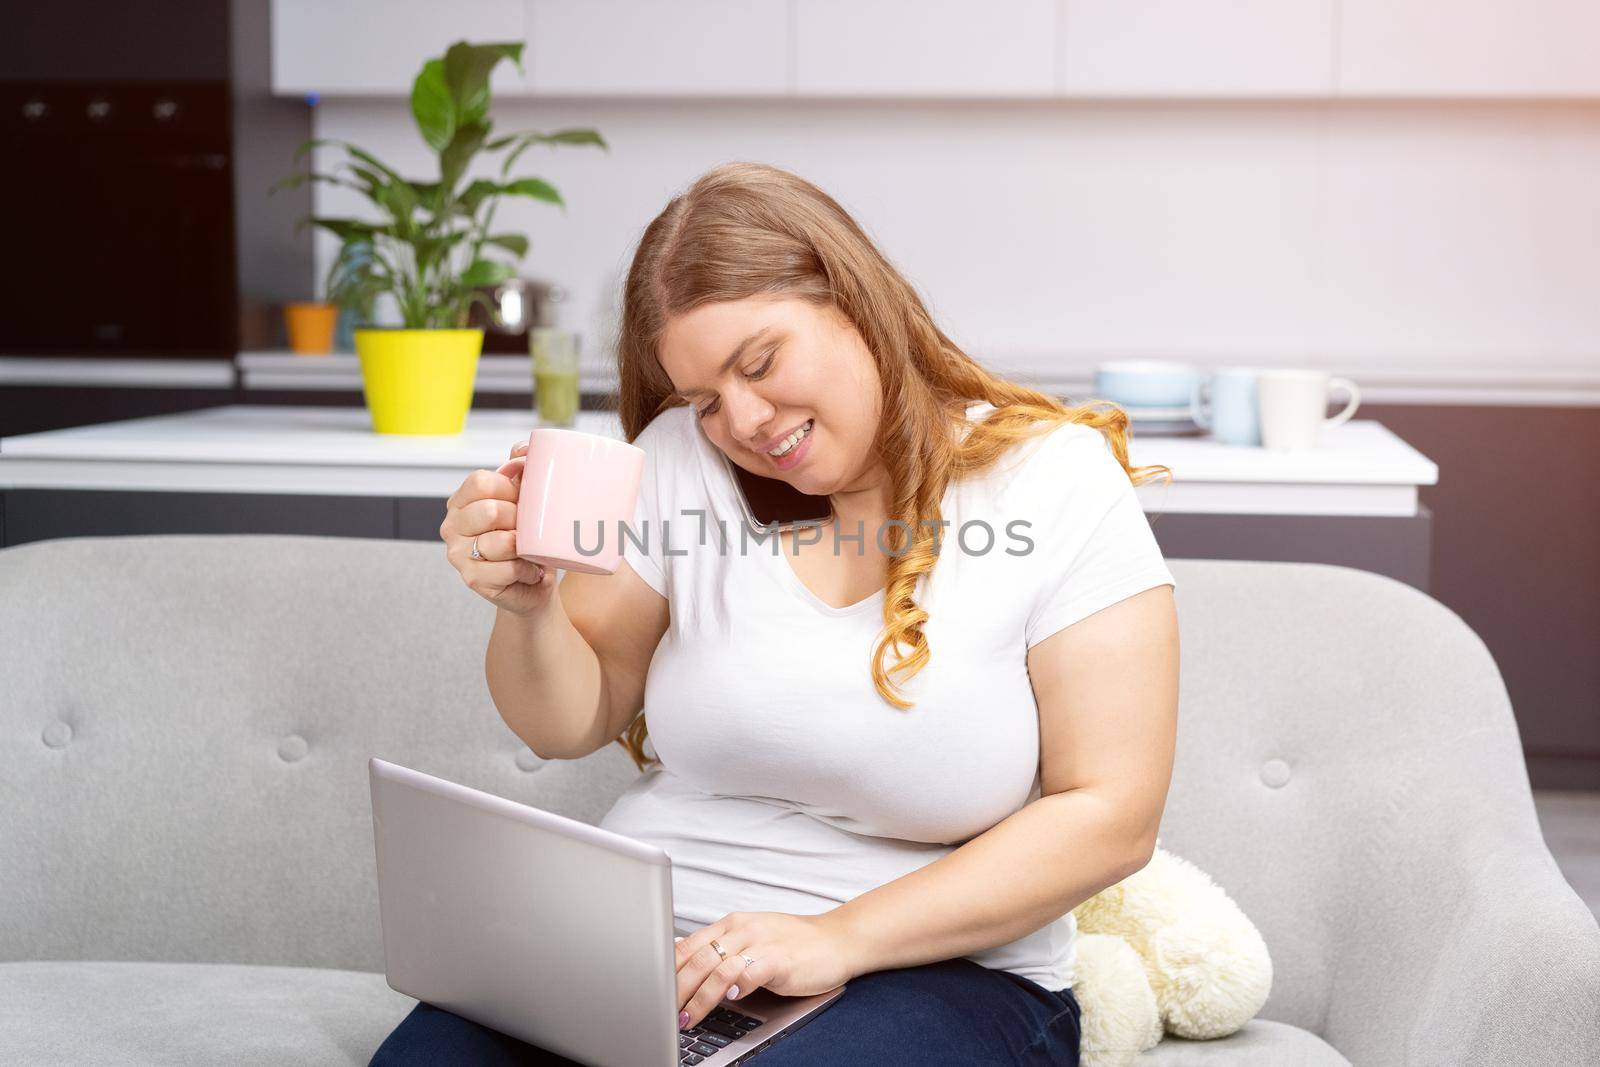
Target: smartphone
point(771, 504)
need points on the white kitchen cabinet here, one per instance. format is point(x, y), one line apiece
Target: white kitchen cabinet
point(1208, 48)
point(925, 48)
point(1490, 48)
point(931, 49)
point(376, 47)
point(639, 47)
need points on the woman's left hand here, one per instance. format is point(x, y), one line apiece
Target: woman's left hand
point(795, 955)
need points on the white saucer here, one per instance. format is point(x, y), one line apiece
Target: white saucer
point(1163, 427)
point(1145, 413)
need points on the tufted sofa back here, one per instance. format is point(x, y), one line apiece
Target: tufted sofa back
point(186, 722)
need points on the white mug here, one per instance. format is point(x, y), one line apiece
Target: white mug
point(1294, 406)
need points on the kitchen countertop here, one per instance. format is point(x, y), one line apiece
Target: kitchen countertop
point(497, 373)
point(1361, 467)
point(121, 372)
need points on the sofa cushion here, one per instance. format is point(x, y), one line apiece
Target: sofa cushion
point(1262, 1043)
point(92, 1012)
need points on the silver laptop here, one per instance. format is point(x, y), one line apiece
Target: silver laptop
point(550, 930)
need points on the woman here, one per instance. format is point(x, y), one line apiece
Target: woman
point(899, 751)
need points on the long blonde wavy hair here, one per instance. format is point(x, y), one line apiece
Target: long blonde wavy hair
point(753, 230)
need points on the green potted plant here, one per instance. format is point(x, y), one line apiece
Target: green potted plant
point(432, 247)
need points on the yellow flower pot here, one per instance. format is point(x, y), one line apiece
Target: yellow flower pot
point(418, 381)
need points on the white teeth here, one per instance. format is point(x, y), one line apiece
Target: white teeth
point(792, 440)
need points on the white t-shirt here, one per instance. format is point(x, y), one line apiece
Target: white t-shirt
point(785, 782)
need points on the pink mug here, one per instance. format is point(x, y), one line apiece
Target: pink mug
point(578, 489)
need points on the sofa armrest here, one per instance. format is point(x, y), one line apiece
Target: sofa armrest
point(1502, 966)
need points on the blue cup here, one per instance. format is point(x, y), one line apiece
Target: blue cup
point(1234, 417)
point(1147, 383)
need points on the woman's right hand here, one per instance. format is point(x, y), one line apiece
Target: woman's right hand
point(485, 508)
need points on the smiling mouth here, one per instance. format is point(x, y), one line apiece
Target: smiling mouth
point(792, 442)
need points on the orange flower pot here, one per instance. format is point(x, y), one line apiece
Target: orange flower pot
point(310, 325)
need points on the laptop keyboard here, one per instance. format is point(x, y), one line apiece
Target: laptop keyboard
point(713, 1034)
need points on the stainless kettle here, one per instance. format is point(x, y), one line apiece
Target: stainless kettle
point(509, 310)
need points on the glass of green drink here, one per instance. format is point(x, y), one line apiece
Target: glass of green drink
point(555, 374)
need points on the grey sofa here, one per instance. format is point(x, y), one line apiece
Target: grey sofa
point(186, 866)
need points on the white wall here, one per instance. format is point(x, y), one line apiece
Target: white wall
point(1421, 242)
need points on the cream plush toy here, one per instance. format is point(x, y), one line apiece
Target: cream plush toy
point(1164, 949)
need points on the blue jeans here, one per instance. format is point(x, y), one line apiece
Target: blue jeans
point(950, 1012)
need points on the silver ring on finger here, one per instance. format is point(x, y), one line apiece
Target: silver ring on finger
point(475, 553)
point(748, 962)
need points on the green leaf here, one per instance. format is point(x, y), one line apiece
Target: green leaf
point(485, 272)
point(433, 106)
point(373, 161)
point(528, 140)
point(348, 229)
point(537, 188)
point(478, 298)
point(372, 178)
point(365, 157)
point(475, 194)
point(296, 180)
point(453, 161)
point(430, 249)
point(427, 194)
point(466, 74)
point(400, 200)
point(577, 136)
point(515, 243)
